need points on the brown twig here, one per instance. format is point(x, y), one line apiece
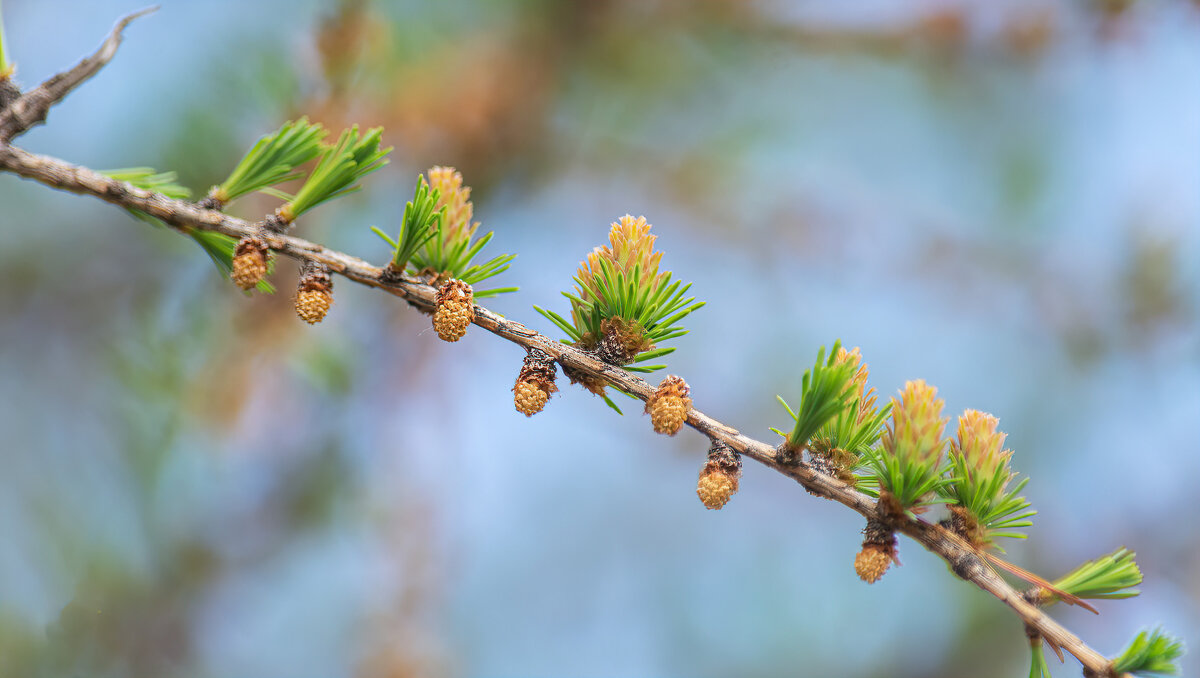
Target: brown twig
point(31, 108)
point(964, 560)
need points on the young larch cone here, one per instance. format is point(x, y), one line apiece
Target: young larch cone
point(877, 554)
point(249, 263)
point(456, 198)
point(981, 444)
point(719, 476)
point(535, 383)
point(668, 407)
point(529, 398)
point(915, 433)
point(871, 563)
point(314, 293)
point(455, 310)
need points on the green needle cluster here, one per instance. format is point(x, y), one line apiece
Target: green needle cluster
point(1151, 653)
point(436, 235)
point(272, 161)
point(418, 226)
point(978, 481)
point(1109, 577)
point(908, 462)
point(826, 391)
point(340, 167)
point(450, 254)
point(622, 305)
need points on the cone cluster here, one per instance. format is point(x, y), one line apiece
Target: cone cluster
point(535, 383)
point(314, 293)
point(878, 552)
point(668, 407)
point(719, 476)
point(454, 310)
point(249, 263)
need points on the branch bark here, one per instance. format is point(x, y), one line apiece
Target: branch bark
point(964, 561)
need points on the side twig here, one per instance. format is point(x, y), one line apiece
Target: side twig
point(963, 560)
point(32, 107)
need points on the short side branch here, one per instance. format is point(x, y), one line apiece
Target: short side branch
point(31, 108)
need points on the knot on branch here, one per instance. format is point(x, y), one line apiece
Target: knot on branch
point(967, 566)
point(889, 511)
point(391, 274)
point(790, 455)
point(275, 224)
point(9, 92)
point(211, 202)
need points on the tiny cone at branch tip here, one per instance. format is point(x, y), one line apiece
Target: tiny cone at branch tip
point(877, 554)
point(249, 264)
point(719, 476)
point(314, 293)
point(455, 310)
point(535, 383)
point(668, 407)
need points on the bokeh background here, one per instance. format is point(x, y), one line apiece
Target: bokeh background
point(1000, 198)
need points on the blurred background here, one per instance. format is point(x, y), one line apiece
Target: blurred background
point(1000, 198)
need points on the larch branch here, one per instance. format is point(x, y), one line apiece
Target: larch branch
point(964, 561)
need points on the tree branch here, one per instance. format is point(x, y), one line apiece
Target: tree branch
point(964, 561)
point(31, 108)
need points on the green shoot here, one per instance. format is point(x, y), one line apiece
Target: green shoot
point(419, 225)
point(1150, 653)
point(451, 252)
point(622, 298)
point(908, 463)
point(826, 391)
point(1109, 577)
point(1038, 668)
point(340, 167)
point(846, 438)
point(273, 160)
point(979, 477)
